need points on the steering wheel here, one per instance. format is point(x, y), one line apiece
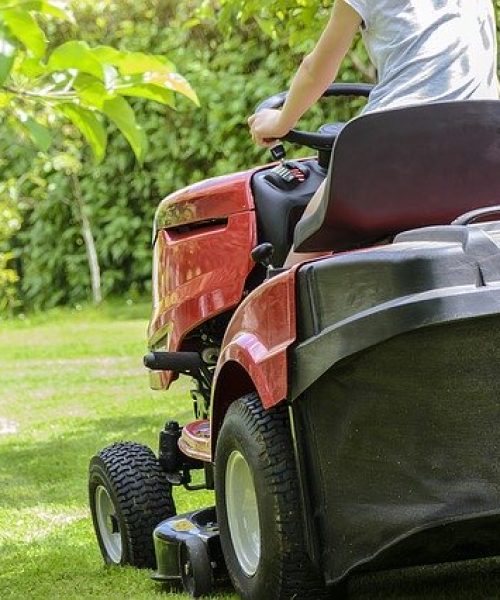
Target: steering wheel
point(317, 141)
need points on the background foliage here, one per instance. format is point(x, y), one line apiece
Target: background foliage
point(43, 86)
point(234, 53)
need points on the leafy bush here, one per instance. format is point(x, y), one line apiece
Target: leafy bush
point(9, 278)
point(231, 72)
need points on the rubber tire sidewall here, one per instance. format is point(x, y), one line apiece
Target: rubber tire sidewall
point(240, 439)
point(98, 476)
point(141, 494)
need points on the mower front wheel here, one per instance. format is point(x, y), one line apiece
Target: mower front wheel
point(129, 496)
point(259, 505)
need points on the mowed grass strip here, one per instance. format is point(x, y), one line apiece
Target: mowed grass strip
point(72, 382)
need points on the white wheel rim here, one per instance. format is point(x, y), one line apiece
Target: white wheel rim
point(108, 524)
point(243, 513)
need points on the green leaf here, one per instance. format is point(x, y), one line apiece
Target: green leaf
point(75, 55)
point(30, 67)
point(172, 81)
point(107, 55)
point(91, 91)
point(191, 23)
point(150, 92)
point(39, 134)
point(146, 72)
point(5, 99)
point(267, 26)
point(134, 85)
point(119, 111)
point(132, 63)
point(90, 127)
point(58, 9)
point(7, 56)
point(55, 8)
point(24, 27)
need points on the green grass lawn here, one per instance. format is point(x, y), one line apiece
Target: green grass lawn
point(72, 382)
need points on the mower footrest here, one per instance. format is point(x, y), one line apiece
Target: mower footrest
point(195, 441)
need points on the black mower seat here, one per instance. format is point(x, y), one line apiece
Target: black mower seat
point(333, 129)
point(401, 169)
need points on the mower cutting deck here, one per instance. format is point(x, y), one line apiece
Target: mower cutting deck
point(345, 410)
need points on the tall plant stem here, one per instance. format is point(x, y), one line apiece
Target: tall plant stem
point(88, 238)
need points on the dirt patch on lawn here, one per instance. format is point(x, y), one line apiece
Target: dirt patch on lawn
point(8, 427)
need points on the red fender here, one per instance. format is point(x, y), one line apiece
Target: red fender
point(254, 350)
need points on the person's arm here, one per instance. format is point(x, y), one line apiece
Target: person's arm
point(315, 74)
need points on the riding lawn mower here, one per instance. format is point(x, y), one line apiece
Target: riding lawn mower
point(346, 410)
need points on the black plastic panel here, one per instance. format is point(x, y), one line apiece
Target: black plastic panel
point(340, 287)
point(395, 397)
point(355, 300)
point(399, 451)
point(278, 211)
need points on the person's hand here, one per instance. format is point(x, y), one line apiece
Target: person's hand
point(266, 127)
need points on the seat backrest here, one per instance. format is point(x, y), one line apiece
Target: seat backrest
point(401, 169)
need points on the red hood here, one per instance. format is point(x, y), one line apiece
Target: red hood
point(210, 199)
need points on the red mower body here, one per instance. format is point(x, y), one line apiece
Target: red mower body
point(346, 410)
point(366, 355)
point(204, 236)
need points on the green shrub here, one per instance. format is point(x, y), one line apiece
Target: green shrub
point(10, 222)
point(231, 72)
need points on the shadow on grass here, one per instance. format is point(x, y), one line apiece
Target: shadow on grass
point(55, 471)
point(34, 473)
point(67, 564)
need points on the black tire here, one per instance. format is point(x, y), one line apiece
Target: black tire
point(284, 570)
point(129, 476)
point(195, 568)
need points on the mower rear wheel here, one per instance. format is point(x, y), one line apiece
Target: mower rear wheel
point(259, 506)
point(129, 496)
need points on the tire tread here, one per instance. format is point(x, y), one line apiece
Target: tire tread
point(143, 495)
point(294, 574)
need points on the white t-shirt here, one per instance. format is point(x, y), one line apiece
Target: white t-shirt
point(429, 50)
